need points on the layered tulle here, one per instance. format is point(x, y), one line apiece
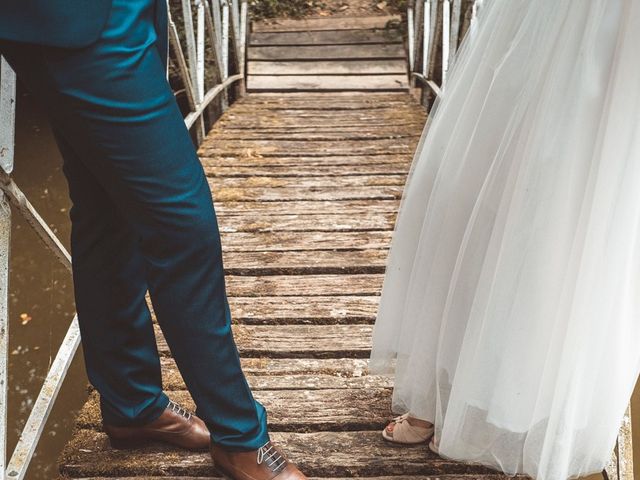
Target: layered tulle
point(510, 312)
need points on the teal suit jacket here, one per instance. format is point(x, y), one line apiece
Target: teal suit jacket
point(60, 23)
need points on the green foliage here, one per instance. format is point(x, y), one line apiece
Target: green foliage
point(282, 8)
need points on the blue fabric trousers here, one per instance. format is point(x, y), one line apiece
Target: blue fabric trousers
point(142, 220)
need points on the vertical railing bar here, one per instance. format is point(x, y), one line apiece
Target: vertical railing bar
point(7, 141)
point(433, 19)
point(426, 37)
point(5, 251)
point(191, 45)
point(213, 38)
point(410, 38)
point(200, 48)
point(446, 28)
point(216, 9)
point(454, 36)
point(235, 14)
point(183, 70)
point(235, 33)
point(244, 18)
point(7, 115)
point(192, 60)
point(225, 39)
point(417, 32)
point(200, 132)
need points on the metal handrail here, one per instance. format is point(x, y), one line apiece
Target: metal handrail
point(225, 24)
point(434, 30)
point(425, 65)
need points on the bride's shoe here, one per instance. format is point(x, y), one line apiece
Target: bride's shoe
point(404, 432)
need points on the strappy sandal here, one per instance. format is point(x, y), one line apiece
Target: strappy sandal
point(405, 433)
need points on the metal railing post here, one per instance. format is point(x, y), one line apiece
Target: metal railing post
point(7, 137)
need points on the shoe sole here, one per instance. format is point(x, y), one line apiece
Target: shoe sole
point(139, 443)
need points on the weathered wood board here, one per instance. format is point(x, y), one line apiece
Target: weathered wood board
point(356, 82)
point(327, 37)
point(346, 309)
point(296, 341)
point(327, 67)
point(321, 454)
point(338, 24)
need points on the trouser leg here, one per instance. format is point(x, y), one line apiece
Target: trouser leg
point(110, 285)
point(111, 102)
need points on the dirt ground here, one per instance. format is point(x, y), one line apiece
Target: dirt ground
point(355, 8)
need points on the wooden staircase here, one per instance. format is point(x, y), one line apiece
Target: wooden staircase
point(327, 54)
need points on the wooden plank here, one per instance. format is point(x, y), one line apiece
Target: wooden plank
point(307, 171)
point(296, 341)
point(307, 182)
point(282, 125)
point(303, 285)
point(324, 116)
point(308, 223)
point(376, 51)
point(328, 82)
point(326, 67)
point(278, 148)
point(321, 454)
point(266, 194)
point(304, 241)
point(354, 207)
point(326, 105)
point(250, 159)
point(341, 367)
point(294, 410)
point(328, 23)
point(331, 135)
point(288, 310)
point(320, 380)
point(305, 263)
point(267, 99)
point(340, 309)
point(326, 37)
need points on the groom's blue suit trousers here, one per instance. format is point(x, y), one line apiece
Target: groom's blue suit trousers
point(142, 220)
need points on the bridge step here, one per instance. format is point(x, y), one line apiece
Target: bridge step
point(319, 454)
point(327, 54)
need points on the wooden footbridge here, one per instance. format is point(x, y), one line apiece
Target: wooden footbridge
point(307, 172)
point(306, 187)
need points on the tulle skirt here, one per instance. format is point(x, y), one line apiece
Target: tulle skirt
point(510, 313)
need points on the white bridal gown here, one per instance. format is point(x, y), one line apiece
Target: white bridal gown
point(510, 311)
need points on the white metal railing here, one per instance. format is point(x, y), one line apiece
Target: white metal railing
point(434, 30)
point(218, 27)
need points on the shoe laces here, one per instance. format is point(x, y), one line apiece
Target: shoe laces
point(174, 407)
point(271, 457)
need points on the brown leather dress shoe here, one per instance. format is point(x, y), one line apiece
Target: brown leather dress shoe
point(266, 463)
point(175, 425)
